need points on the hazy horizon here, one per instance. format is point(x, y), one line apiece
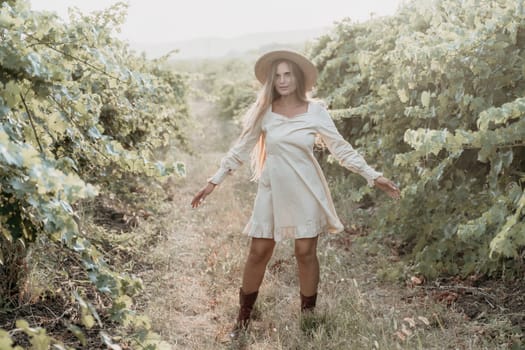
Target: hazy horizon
point(155, 21)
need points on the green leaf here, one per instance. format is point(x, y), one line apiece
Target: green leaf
point(5, 340)
point(94, 133)
point(403, 95)
point(501, 115)
point(180, 168)
point(11, 94)
point(40, 340)
point(88, 321)
point(23, 324)
point(4, 110)
point(35, 67)
point(7, 20)
point(78, 333)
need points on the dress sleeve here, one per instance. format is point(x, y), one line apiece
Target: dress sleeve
point(342, 150)
point(238, 154)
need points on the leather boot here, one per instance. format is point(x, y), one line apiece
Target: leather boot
point(246, 302)
point(308, 303)
point(309, 321)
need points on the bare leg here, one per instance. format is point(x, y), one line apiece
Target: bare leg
point(261, 251)
point(306, 255)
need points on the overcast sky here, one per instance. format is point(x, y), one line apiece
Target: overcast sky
point(159, 21)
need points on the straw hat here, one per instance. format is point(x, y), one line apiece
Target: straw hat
point(264, 64)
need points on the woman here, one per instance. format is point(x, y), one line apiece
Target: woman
point(293, 199)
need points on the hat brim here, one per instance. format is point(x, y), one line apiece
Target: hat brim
point(264, 64)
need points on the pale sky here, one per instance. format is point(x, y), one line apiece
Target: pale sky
point(157, 21)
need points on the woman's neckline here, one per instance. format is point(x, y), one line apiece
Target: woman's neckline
point(294, 116)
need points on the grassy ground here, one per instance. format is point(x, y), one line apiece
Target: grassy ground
point(192, 278)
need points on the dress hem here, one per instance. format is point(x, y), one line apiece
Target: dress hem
point(311, 230)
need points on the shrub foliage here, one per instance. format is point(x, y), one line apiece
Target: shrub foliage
point(78, 110)
point(434, 96)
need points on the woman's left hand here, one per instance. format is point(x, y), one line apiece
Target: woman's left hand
point(387, 186)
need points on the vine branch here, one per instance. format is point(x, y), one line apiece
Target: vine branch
point(32, 123)
point(78, 59)
point(66, 114)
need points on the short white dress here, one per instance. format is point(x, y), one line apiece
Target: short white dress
point(293, 199)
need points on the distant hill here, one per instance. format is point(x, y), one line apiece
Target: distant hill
point(213, 47)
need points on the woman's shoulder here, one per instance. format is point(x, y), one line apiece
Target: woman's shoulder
point(318, 107)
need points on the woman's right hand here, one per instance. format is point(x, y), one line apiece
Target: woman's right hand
point(202, 194)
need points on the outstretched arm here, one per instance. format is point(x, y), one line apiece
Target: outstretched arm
point(348, 157)
point(202, 194)
point(388, 187)
point(236, 156)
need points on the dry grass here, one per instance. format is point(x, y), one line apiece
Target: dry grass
point(192, 286)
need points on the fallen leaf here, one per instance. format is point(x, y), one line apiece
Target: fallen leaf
point(411, 322)
point(416, 280)
point(400, 335)
point(424, 320)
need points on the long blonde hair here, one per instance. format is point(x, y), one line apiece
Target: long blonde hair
point(266, 96)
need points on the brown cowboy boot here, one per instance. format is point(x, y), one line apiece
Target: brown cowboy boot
point(309, 321)
point(246, 302)
point(308, 303)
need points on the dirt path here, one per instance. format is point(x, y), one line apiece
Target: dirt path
point(193, 283)
point(197, 268)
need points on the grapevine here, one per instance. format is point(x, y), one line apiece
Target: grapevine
point(78, 111)
point(434, 97)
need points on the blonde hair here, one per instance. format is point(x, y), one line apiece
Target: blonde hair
point(266, 96)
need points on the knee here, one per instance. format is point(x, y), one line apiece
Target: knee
point(259, 256)
point(306, 256)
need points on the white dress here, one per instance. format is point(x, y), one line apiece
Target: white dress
point(293, 199)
